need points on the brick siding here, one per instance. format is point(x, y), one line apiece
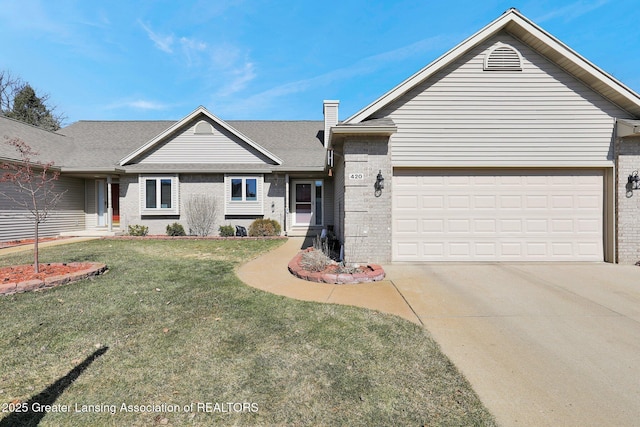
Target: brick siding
point(367, 218)
point(627, 204)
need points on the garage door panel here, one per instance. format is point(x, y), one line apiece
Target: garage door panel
point(587, 202)
point(407, 226)
point(432, 202)
point(407, 202)
point(485, 202)
point(494, 215)
point(588, 226)
point(433, 226)
point(458, 202)
point(511, 202)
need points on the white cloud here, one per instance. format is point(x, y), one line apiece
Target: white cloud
point(364, 66)
point(240, 77)
point(162, 42)
point(138, 104)
point(573, 10)
point(230, 69)
point(191, 49)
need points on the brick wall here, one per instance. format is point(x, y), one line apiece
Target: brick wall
point(367, 218)
point(627, 204)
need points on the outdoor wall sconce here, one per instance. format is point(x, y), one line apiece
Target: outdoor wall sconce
point(633, 183)
point(379, 185)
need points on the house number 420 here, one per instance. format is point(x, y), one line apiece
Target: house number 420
point(356, 176)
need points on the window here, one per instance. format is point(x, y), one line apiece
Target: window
point(250, 190)
point(244, 189)
point(159, 195)
point(243, 195)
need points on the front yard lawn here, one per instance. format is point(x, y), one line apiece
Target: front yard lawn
point(170, 336)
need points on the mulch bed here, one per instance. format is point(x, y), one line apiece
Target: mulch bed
point(22, 278)
point(366, 273)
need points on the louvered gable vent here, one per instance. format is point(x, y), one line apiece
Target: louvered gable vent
point(503, 58)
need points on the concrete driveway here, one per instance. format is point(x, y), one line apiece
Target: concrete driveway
point(542, 344)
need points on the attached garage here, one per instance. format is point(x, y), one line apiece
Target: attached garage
point(498, 215)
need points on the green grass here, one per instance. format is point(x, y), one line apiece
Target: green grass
point(171, 324)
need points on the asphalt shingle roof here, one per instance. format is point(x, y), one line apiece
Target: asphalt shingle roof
point(87, 145)
point(50, 146)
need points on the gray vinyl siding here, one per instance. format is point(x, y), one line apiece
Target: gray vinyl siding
point(218, 147)
point(540, 116)
point(91, 211)
point(175, 195)
point(238, 208)
point(16, 224)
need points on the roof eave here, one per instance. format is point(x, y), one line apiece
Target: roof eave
point(626, 128)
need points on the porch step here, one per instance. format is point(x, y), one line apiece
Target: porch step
point(92, 233)
point(304, 231)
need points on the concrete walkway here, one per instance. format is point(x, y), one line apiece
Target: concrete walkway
point(269, 272)
point(29, 247)
point(541, 344)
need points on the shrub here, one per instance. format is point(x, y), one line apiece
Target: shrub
point(200, 210)
point(264, 227)
point(227, 231)
point(138, 230)
point(175, 229)
point(315, 260)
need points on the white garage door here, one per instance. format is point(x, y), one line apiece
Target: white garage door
point(498, 215)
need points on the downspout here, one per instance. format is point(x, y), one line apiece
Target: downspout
point(616, 144)
point(109, 205)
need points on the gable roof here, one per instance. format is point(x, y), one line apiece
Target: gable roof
point(102, 144)
point(522, 28)
point(198, 111)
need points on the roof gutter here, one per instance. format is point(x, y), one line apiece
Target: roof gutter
point(364, 130)
point(92, 170)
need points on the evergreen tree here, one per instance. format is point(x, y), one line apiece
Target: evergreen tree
point(29, 108)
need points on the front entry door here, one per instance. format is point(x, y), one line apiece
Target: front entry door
point(115, 203)
point(307, 203)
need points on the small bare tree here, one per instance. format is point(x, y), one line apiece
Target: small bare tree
point(200, 210)
point(33, 185)
point(10, 85)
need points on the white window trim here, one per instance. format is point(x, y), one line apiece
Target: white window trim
point(244, 207)
point(175, 199)
point(243, 188)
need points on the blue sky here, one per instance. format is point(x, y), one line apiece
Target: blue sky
point(272, 60)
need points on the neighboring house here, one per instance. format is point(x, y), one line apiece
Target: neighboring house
point(509, 147)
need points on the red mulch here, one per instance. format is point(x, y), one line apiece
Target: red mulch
point(21, 273)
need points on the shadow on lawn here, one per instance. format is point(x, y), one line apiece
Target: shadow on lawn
point(49, 395)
